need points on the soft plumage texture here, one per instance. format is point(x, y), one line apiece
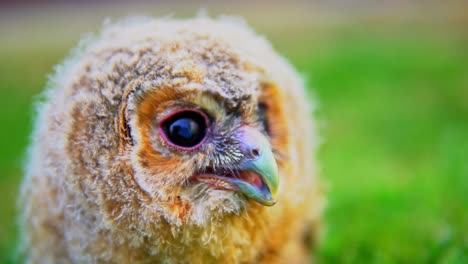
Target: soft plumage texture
point(99, 190)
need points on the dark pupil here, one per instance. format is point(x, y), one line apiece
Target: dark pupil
point(186, 129)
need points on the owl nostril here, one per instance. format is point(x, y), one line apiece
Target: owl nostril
point(252, 142)
point(255, 152)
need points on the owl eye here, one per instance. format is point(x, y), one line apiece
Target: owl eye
point(185, 129)
point(262, 116)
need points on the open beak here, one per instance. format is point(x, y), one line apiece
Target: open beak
point(260, 162)
point(256, 176)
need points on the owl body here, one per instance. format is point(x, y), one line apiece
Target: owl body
point(105, 184)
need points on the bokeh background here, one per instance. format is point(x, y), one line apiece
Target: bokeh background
point(391, 82)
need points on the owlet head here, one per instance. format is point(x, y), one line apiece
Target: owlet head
point(199, 119)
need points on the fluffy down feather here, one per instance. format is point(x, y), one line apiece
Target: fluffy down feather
point(101, 187)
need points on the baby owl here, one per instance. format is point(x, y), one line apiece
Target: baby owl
point(172, 141)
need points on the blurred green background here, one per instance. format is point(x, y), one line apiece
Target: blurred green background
point(391, 82)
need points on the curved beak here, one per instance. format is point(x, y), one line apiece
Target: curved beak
point(260, 161)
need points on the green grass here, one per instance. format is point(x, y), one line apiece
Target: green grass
point(393, 111)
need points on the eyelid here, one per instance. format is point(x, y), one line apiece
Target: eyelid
point(182, 110)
